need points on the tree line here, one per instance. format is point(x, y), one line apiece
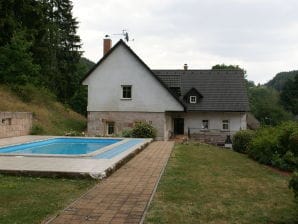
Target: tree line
point(39, 46)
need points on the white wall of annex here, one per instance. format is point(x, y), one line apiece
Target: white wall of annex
point(237, 120)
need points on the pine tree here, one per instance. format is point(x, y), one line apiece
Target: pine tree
point(66, 45)
point(16, 63)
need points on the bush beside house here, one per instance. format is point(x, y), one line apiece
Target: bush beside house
point(140, 130)
point(294, 184)
point(242, 139)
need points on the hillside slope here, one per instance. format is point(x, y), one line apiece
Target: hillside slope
point(49, 116)
point(280, 79)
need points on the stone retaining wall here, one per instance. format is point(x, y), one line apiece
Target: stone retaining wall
point(215, 138)
point(97, 121)
point(15, 124)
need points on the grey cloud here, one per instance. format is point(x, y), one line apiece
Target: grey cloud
point(259, 34)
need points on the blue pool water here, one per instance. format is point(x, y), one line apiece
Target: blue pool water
point(62, 146)
point(118, 149)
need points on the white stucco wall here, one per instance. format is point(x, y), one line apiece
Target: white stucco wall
point(122, 68)
point(168, 126)
point(237, 120)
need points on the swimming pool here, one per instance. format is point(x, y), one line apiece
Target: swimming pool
point(60, 146)
point(67, 156)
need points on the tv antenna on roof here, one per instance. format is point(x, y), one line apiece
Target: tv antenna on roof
point(125, 35)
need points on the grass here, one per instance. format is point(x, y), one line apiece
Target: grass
point(206, 184)
point(50, 116)
point(31, 200)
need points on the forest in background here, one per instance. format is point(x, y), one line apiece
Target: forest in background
point(277, 100)
point(40, 48)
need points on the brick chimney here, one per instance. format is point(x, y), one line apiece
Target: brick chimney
point(107, 44)
point(185, 66)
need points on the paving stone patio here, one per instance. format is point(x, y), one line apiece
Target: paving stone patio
point(124, 196)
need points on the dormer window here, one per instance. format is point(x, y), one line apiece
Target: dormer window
point(192, 96)
point(126, 92)
point(193, 99)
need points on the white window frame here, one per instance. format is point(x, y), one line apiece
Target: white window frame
point(193, 99)
point(122, 92)
point(108, 127)
point(225, 122)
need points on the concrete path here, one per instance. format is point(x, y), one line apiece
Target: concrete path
point(124, 196)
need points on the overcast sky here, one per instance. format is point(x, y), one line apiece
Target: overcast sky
point(260, 36)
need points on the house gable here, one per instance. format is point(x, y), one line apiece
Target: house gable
point(122, 67)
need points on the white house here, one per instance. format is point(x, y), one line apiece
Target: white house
point(123, 90)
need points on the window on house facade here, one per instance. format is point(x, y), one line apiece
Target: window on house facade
point(110, 128)
point(205, 124)
point(225, 125)
point(126, 92)
point(6, 121)
point(193, 99)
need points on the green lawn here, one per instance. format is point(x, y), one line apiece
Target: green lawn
point(206, 184)
point(31, 200)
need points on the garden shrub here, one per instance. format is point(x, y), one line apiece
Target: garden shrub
point(127, 133)
point(242, 139)
point(143, 130)
point(293, 142)
point(294, 185)
point(36, 130)
point(72, 132)
point(276, 146)
point(288, 137)
point(286, 162)
point(263, 146)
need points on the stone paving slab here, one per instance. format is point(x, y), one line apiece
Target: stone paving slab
point(125, 195)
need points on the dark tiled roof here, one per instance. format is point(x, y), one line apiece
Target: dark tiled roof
point(222, 90)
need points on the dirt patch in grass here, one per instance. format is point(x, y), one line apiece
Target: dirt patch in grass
point(207, 184)
point(281, 172)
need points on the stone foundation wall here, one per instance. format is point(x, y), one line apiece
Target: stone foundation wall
point(97, 122)
point(214, 137)
point(15, 124)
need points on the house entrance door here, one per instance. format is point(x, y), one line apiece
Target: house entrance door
point(178, 126)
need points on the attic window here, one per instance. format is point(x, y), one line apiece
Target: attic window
point(126, 92)
point(193, 99)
